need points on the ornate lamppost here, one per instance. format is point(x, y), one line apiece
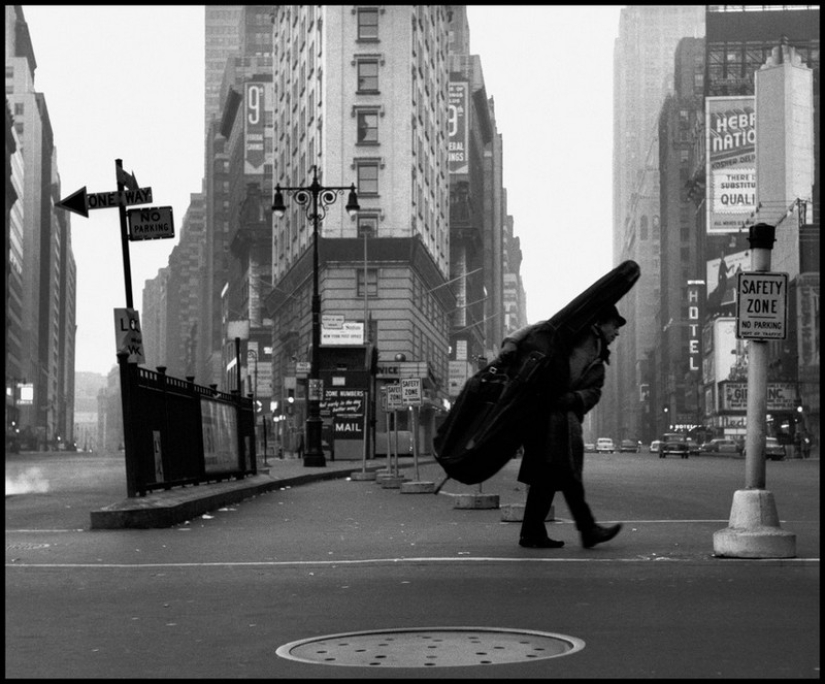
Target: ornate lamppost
point(315, 199)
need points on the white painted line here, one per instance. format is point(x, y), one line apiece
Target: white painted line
point(395, 561)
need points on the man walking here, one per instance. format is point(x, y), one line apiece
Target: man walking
point(553, 445)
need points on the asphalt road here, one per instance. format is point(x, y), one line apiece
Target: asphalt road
point(217, 596)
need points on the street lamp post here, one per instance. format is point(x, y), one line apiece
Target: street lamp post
point(315, 198)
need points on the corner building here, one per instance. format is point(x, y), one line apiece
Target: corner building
point(361, 97)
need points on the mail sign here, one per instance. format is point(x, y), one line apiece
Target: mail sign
point(150, 223)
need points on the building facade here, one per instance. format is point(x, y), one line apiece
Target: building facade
point(643, 68)
point(45, 386)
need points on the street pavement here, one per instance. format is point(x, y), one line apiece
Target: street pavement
point(219, 594)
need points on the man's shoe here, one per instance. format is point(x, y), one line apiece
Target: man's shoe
point(598, 534)
point(545, 543)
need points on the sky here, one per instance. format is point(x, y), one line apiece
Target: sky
point(127, 82)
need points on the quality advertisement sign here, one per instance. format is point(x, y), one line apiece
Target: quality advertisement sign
point(730, 138)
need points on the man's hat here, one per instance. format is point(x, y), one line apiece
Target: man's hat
point(611, 313)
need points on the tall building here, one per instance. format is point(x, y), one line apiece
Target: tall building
point(729, 158)
point(14, 174)
point(222, 38)
point(643, 75)
point(361, 98)
point(674, 382)
point(48, 311)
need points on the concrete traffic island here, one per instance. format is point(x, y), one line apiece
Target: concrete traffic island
point(476, 500)
point(754, 530)
point(418, 487)
point(363, 476)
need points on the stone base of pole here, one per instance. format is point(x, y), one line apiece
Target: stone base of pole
point(515, 513)
point(754, 530)
point(418, 487)
point(360, 476)
point(476, 501)
point(392, 481)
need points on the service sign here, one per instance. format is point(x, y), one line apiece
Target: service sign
point(762, 306)
point(150, 223)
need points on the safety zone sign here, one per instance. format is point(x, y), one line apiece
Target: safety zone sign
point(411, 391)
point(150, 223)
point(762, 306)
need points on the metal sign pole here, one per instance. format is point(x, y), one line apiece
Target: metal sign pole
point(124, 236)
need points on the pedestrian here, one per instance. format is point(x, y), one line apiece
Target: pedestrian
point(553, 457)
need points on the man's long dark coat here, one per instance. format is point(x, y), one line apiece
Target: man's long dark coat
point(552, 437)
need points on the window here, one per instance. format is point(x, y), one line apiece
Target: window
point(367, 75)
point(367, 127)
point(368, 178)
point(368, 23)
point(372, 282)
point(367, 224)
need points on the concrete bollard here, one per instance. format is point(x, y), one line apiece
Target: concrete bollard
point(476, 501)
point(515, 513)
point(754, 530)
point(418, 487)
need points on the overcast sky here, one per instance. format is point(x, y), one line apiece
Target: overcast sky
point(126, 83)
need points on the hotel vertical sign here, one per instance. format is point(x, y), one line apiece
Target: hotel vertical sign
point(695, 297)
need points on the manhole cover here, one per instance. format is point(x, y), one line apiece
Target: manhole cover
point(431, 647)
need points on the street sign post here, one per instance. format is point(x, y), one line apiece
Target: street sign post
point(150, 223)
point(762, 306)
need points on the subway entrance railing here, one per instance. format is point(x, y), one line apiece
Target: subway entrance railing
point(177, 433)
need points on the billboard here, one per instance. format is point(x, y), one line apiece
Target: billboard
point(730, 124)
point(254, 120)
point(722, 273)
point(458, 126)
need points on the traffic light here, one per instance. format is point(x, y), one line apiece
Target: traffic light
point(290, 401)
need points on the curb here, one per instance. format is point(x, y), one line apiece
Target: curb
point(174, 506)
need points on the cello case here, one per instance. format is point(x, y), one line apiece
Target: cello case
point(482, 430)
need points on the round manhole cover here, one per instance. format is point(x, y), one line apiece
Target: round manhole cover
point(431, 647)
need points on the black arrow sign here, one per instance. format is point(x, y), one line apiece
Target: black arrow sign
point(76, 202)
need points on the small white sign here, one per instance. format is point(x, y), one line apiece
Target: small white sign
point(411, 391)
point(394, 401)
point(762, 306)
point(128, 337)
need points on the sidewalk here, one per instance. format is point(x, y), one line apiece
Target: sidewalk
point(174, 506)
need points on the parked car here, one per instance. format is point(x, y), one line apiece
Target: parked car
point(693, 446)
point(673, 443)
point(589, 448)
point(605, 445)
point(773, 449)
point(721, 445)
point(654, 446)
point(629, 446)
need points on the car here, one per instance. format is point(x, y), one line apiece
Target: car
point(693, 447)
point(773, 449)
point(605, 445)
point(674, 443)
point(589, 448)
point(721, 445)
point(654, 446)
point(628, 446)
